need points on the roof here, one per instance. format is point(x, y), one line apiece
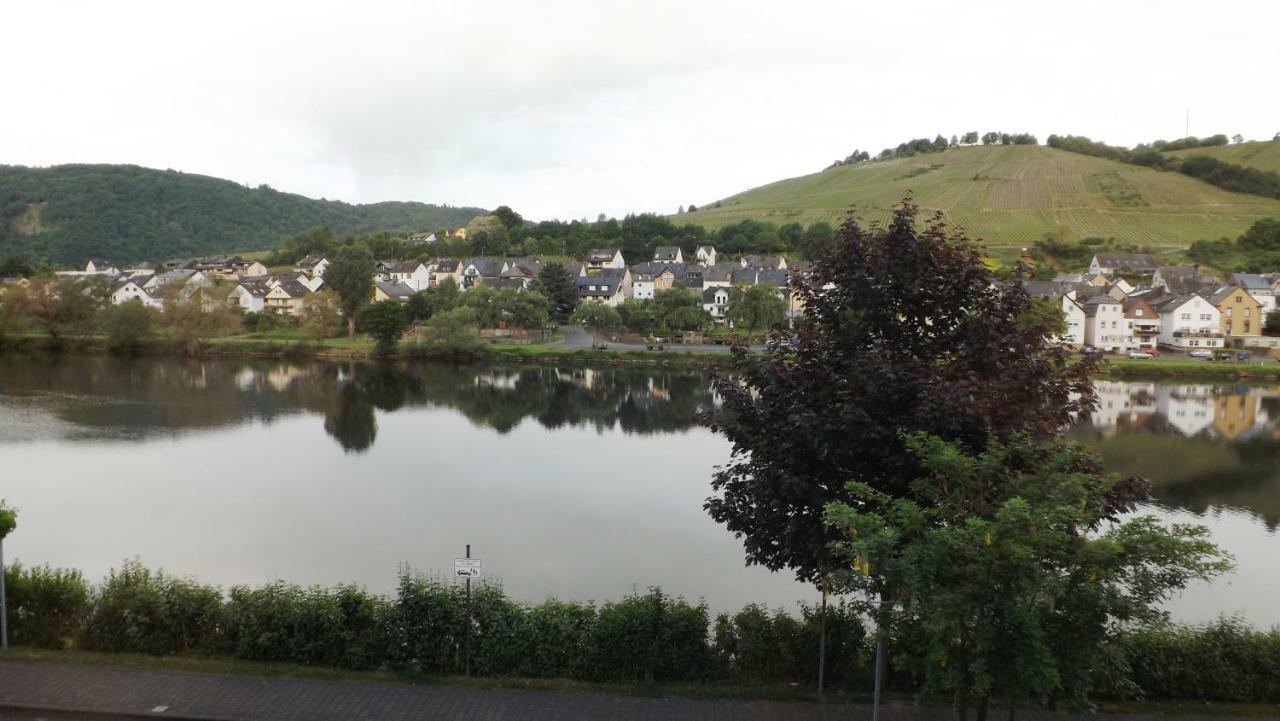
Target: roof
point(485, 266)
point(653, 269)
point(709, 294)
point(1172, 301)
point(1046, 288)
point(761, 261)
point(610, 281)
point(702, 248)
point(397, 290)
point(309, 262)
point(409, 266)
point(601, 254)
point(718, 272)
point(446, 265)
point(1127, 261)
point(1251, 281)
point(174, 276)
point(257, 289)
point(1184, 279)
point(292, 288)
point(1222, 293)
point(666, 252)
point(503, 283)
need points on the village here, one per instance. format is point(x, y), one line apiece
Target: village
point(1129, 304)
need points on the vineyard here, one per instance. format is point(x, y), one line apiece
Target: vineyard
point(1009, 197)
point(1263, 155)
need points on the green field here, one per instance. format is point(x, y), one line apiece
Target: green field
point(1009, 197)
point(1260, 154)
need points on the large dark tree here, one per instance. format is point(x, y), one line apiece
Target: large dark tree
point(561, 289)
point(350, 275)
point(903, 331)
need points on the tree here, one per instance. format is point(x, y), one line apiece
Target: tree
point(196, 314)
point(8, 522)
point(384, 322)
point(970, 138)
point(597, 318)
point(450, 334)
point(321, 314)
point(1237, 138)
point(755, 306)
point(508, 217)
point(1002, 575)
point(53, 304)
point(484, 301)
point(350, 275)
point(418, 308)
point(527, 310)
point(127, 325)
point(1273, 322)
point(692, 208)
point(443, 297)
point(902, 331)
point(679, 309)
point(560, 288)
point(990, 138)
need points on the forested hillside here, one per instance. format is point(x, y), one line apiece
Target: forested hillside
point(67, 213)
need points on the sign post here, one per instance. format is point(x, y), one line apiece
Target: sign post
point(467, 568)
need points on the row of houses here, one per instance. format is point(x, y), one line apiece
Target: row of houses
point(1126, 303)
point(1184, 409)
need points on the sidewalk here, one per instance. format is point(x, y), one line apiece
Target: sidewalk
point(45, 690)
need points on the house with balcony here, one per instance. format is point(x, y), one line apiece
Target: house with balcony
point(1142, 324)
point(600, 258)
point(1188, 322)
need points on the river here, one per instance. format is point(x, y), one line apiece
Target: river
point(581, 483)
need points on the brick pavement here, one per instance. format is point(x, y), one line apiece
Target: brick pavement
point(46, 690)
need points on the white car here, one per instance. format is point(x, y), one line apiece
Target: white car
point(1202, 353)
point(1140, 354)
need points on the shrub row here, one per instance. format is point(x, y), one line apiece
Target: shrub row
point(648, 637)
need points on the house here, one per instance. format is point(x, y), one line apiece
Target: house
point(129, 290)
point(460, 233)
point(649, 278)
point(600, 258)
point(1109, 264)
point(312, 266)
point(605, 287)
point(413, 274)
point(184, 282)
point(715, 300)
point(1183, 280)
point(1259, 286)
point(1104, 326)
point(446, 268)
point(398, 291)
point(228, 266)
point(1239, 312)
point(721, 275)
point(668, 254)
point(1142, 324)
point(1065, 296)
point(504, 283)
point(250, 295)
point(763, 262)
point(138, 270)
point(475, 268)
point(287, 297)
point(705, 255)
point(1188, 322)
point(421, 239)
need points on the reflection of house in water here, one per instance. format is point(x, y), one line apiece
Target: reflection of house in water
point(1235, 414)
point(282, 376)
point(1188, 408)
point(1122, 405)
point(494, 379)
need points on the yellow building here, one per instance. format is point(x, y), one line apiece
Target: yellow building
point(1241, 314)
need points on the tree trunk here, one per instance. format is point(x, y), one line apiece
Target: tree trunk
point(880, 664)
point(983, 703)
point(1013, 710)
point(351, 327)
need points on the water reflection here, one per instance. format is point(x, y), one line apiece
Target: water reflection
point(1203, 446)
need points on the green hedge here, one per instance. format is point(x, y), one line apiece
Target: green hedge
point(1222, 661)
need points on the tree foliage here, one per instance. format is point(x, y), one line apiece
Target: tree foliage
point(384, 322)
point(756, 306)
point(597, 318)
point(902, 331)
point(50, 303)
point(321, 314)
point(127, 326)
point(557, 284)
point(350, 276)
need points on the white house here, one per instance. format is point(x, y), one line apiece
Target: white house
point(446, 268)
point(1104, 326)
point(287, 298)
point(715, 300)
point(1075, 319)
point(705, 255)
point(648, 279)
point(186, 281)
point(312, 266)
point(132, 290)
point(668, 254)
point(1189, 322)
point(249, 295)
point(1132, 263)
point(599, 258)
point(415, 275)
point(607, 287)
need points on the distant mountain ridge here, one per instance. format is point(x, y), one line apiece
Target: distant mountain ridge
point(127, 213)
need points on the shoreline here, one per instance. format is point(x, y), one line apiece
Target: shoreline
point(339, 349)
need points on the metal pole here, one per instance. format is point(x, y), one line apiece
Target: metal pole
point(467, 637)
point(875, 701)
point(4, 609)
point(822, 643)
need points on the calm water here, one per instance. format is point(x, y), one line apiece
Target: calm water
point(580, 483)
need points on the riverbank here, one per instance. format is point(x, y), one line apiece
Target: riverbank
point(1189, 369)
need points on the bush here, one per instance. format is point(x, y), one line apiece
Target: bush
point(757, 646)
point(428, 621)
point(560, 638)
point(652, 638)
point(343, 627)
point(46, 605)
point(146, 611)
point(1222, 661)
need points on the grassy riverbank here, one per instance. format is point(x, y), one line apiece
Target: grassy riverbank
point(1189, 368)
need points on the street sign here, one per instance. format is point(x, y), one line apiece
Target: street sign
point(466, 568)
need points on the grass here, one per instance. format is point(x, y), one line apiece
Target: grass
point(1010, 197)
point(1189, 368)
point(1260, 154)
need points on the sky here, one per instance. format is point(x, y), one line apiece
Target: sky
point(572, 109)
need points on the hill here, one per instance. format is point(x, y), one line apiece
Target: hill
point(1010, 197)
point(66, 213)
point(1260, 154)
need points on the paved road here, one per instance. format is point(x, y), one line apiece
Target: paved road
point(47, 690)
point(576, 338)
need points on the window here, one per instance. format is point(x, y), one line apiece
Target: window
point(1229, 312)
point(1186, 316)
point(1206, 316)
point(1248, 312)
point(1138, 312)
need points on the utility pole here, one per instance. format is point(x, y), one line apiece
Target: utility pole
point(467, 637)
point(4, 610)
point(822, 642)
point(1186, 129)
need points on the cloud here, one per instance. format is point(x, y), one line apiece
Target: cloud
point(568, 109)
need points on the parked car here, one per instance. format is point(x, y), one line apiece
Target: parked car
point(1201, 353)
point(1089, 350)
point(1140, 354)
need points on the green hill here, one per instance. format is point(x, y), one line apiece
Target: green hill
point(1009, 196)
point(67, 213)
point(1260, 154)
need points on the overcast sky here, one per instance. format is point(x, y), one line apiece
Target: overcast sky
point(570, 109)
